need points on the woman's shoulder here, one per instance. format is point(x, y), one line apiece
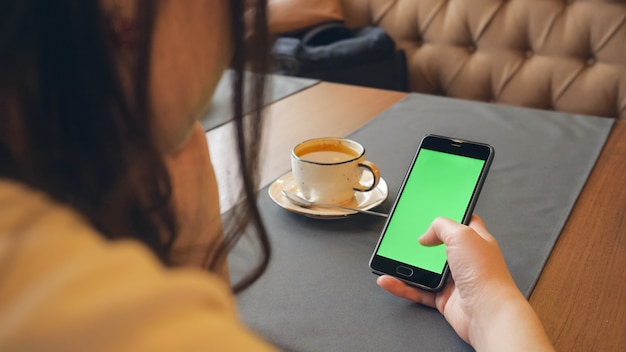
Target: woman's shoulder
point(64, 285)
point(36, 226)
point(22, 206)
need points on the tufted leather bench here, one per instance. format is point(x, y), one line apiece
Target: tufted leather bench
point(549, 54)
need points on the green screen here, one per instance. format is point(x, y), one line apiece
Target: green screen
point(439, 184)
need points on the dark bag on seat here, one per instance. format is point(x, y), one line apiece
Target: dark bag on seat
point(331, 52)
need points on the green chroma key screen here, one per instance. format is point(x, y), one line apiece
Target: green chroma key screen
point(439, 184)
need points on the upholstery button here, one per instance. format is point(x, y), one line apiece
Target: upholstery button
point(591, 61)
point(529, 54)
point(471, 48)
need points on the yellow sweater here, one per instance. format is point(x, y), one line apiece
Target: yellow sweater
point(63, 287)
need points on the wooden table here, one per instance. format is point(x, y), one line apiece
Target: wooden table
point(580, 296)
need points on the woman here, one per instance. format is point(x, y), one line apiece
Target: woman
point(107, 192)
point(99, 142)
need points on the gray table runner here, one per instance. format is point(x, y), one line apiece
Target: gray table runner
point(279, 87)
point(318, 293)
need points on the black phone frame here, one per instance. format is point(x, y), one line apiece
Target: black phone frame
point(421, 278)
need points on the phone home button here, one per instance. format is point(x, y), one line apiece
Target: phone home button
point(404, 271)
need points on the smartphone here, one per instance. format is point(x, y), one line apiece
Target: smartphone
point(444, 179)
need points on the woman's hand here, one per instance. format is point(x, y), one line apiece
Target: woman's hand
point(481, 301)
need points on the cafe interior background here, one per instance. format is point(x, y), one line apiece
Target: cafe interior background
point(554, 55)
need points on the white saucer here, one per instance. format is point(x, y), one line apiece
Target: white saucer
point(361, 200)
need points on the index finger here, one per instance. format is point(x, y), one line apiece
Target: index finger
point(479, 226)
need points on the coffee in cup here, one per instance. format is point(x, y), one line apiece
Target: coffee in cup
point(330, 169)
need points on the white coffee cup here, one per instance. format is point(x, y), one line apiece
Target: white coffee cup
point(329, 170)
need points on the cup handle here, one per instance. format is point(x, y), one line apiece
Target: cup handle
point(371, 167)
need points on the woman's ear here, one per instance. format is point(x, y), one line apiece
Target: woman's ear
point(120, 18)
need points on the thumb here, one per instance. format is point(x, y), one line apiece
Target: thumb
point(440, 231)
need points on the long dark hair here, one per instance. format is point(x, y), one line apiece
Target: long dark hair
point(67, 127)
